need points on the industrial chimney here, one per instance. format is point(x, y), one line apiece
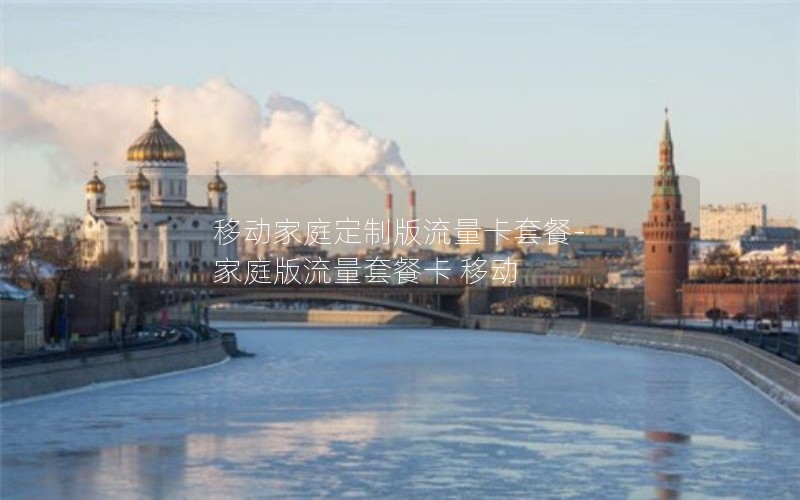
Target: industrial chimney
point(412, 217)
point(389, 223)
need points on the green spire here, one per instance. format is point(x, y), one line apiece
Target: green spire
point(666, 181)
point(666, 136)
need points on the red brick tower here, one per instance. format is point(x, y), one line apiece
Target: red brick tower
point(666, 238)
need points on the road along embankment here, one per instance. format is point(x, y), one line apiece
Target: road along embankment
point(775, 376)
point(37, 379)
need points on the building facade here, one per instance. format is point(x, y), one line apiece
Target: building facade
point(726, 222)
point(155, 230)
point(666, 238)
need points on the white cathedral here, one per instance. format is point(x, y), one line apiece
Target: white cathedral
point(156, 230)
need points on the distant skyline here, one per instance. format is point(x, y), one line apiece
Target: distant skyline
point(535, 88)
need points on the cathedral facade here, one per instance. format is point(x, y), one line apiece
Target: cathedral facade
point(155, 230)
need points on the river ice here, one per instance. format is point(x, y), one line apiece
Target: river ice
point(391, 412)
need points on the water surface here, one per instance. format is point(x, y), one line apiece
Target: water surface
point(410, 413)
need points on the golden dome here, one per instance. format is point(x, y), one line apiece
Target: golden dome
point(95, 184)
point(217, 183)
point(156, 145)
point(139, 182)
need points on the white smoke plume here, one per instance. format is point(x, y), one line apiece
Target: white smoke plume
point(213, 121)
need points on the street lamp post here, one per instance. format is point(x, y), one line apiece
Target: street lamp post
point(65, 298)
point(166, 294)
point(121, 313)
point(195, 320)
point(205, 308)
point(179, 304)
point(589, 303)
point(679, 291)
point(117, 315)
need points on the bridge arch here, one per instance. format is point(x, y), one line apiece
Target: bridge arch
point(393, 305)
point(604, 303)
point(220, 295)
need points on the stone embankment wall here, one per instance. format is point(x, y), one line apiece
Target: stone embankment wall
point(775, 376)
point(48, 377)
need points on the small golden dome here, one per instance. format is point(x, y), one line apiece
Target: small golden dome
point(139, 182)
point(217, 183)
point(156, 145)
point(95, 184)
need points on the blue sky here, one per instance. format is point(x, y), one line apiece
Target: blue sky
point(532, 88)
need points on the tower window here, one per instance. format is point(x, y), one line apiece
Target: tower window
point(670, 249)
point(653, 249)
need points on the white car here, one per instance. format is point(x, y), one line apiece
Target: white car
point(768, 326)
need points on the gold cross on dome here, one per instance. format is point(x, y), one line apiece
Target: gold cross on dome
point(155, 102)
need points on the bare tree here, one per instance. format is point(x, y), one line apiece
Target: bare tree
point(23, 244)
point(38, 247)
point(721, 263)
point(112, 264)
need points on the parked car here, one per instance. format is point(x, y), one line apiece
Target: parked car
point(768, 326)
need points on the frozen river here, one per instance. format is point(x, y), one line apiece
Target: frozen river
point(410, 413)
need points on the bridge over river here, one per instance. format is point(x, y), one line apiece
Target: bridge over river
point(444, 304)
